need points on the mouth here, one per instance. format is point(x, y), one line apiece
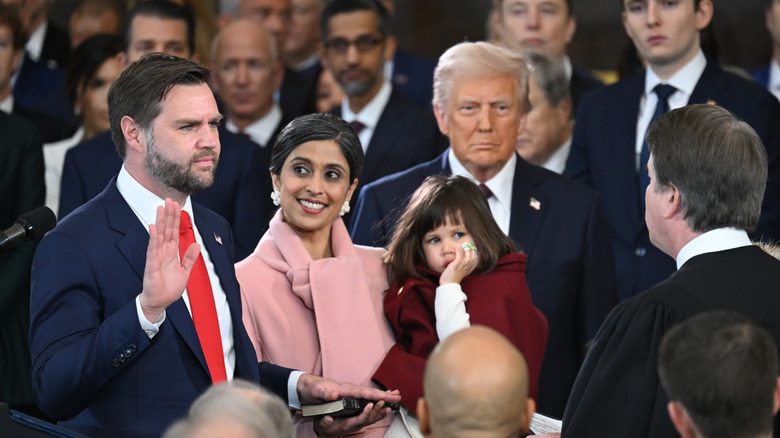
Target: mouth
point(656, 40)
point(310, 206)
point(533, 42)
point(205, 159)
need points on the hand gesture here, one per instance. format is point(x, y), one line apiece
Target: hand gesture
point(464, 264)
point(165, 277)
point(314, 389)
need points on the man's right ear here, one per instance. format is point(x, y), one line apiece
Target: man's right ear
point(441, 119)
point(423, 416)
point(133, 134)
point(776, 406)
point(530, 408)
point(681, 420)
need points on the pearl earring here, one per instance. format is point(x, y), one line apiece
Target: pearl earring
point(344, 208)
point(276, 196)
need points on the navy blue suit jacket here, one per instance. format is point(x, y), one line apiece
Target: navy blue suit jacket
point(413, 77)
point(603, 157)
point(762, 76)
point(580, 83)
point(238, 192)
point(94, 368)
point(405, 136)
point(571, 272)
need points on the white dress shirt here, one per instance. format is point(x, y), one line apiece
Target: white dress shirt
point(684, 81)
point(719, 239)
point(557, 161)
point(774, 77)
point(261, 130)
point(501, 186)
point(54, 160)
point(369, 115)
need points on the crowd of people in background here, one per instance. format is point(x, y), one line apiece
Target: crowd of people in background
point(468, 240)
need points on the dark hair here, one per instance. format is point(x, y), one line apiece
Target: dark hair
point(317, 127)
point(717, 162)
point(138, 91)
point(85, 61)
point(10, 16)
point(441, 199)
point(723, 369)
point(164, 10)
point(336, 7)
point(95, 8)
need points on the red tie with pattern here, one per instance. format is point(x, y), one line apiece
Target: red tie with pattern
point(204, 312)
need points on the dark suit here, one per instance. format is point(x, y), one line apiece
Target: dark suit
point(405, 136)
point(570, 268)
point(295, 92)
point(40, 88)
point(238, 192)
point(23, 190)
point(617, 393)
point(56, 46)
point(603, 156)
point(94, 368)
point(413, 78)
point(581, 82)
point(762, 76)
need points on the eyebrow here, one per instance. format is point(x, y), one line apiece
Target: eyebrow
point(185, 121)
point(308, 161)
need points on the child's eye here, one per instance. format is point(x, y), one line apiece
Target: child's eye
point(432, 240)
point(459, 234)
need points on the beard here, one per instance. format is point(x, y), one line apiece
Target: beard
point(179, 176)
point(358, 88)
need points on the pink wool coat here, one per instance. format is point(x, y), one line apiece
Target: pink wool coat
point(324, 316)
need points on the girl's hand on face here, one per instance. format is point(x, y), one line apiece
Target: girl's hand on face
point(464, 264)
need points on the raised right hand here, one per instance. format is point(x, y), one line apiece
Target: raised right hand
point(165, 277)
point(464, 264)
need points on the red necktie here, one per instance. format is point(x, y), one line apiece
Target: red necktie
point(486, 191)
point(204, 312)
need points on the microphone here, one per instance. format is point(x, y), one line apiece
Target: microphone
point(31, 225)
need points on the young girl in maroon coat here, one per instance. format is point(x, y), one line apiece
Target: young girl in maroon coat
point(452, 267)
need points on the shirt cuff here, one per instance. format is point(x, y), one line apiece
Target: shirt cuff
point(450, 310)
point(292, 390)
point(151, 328)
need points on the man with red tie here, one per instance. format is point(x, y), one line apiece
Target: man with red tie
point(135, 308)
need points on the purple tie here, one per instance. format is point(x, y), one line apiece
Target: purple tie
point(486, 191)
point(357, 126)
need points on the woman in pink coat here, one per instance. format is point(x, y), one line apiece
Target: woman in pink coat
point(311, 299)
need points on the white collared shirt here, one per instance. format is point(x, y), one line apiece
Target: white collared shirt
point(719, 239)
point(261, 130)
point(34, 45)
point(557, 161)
point(774, 77)
point(54, 161)
point(501, 186)
point(369, 115)
point(684, 81)
point(144, 204)
point(7, 105)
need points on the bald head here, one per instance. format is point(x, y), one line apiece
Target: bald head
point(475, 384)
point(246, 70)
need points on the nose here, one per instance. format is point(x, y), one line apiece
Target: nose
point(242, 74)
point(352, 54)
point(653, 17)
point(533, 18)
point(485, 122)
point(315, 185)
point(209, 138)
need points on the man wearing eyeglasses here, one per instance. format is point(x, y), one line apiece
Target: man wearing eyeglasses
point(395, 133)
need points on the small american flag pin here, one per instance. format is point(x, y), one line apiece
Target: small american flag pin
point(535, 204)
point(219, 239)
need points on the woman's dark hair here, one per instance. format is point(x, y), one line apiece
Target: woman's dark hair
point(441, 199)
point(86, 61)
point(317, 127)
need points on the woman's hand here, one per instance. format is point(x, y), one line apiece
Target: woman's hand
point(464, 264)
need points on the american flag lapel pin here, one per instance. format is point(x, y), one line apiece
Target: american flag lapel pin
point(535, 204)
point(219, 239)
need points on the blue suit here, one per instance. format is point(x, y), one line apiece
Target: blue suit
point(94, 368)
point(762, 76)
point(413, 77)
point(603, 157)
point(238, 194)
point(571, 271)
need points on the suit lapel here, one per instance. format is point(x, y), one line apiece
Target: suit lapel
point(525, 218)
point(625, 118)
point(710, 86)
point(121, 218)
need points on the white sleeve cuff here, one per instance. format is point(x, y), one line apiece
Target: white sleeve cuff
point(292, 390)
point(151, 328)
point(450, 309)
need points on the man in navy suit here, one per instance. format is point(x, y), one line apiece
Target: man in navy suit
point(608, 143)
point(114, 346)
point(238, 191)
point(545, 26)
point(395, 133)
point(769, 76)
point(481, 104)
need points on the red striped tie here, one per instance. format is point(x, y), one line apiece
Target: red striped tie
point(204, 312)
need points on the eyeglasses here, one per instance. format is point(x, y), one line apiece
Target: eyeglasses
point(364, 44)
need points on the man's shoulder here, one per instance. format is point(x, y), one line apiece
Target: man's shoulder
point(99, 144)
point(411, 177)
point(559, 187)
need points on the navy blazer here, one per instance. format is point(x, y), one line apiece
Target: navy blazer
point(580, 83)
point(570, 265)
point(238, 193)
point(405, 136)
point(413, 77)
point(94, 368)
point(762, 76)
point(603, 157)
